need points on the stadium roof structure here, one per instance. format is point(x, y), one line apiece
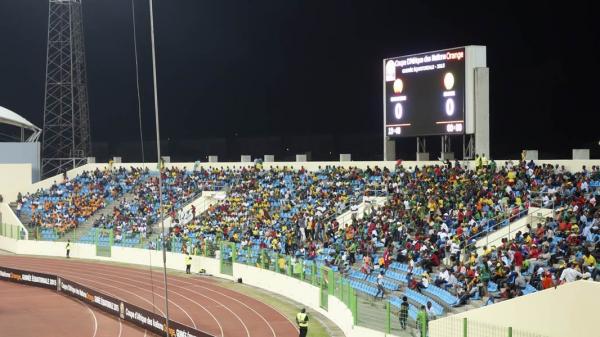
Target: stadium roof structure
point(12, 118)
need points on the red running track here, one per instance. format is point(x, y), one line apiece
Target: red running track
point(30, 311)
point(194, 301)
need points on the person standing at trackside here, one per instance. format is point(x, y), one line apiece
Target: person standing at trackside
point(302, 320)
point(422, 322)
point(68, 249)
point(404, 312)
point(188, 263)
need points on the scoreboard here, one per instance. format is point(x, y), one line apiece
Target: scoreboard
point(427, 94)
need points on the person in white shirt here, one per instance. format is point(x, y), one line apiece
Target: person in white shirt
point(443, 235)
point(453, 284)
point(584, 186)
point(587, 232)
point(429, 309)
point(442, 277)
point(454, 248)
point(571, 274)
point(546, 201)
point(19, 207)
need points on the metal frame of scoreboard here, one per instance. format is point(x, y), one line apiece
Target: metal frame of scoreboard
point(476, 134)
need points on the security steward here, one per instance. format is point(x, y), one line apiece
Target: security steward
point(188, 263)
point(302, 320)
point(68, 248)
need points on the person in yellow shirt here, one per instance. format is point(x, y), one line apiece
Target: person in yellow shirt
point(188, 263)
point(484, 161)
point(302, 320)
point(511, 176)
point(281, 263)
point(589, 262)
point(575, 229)
point(473, 259)
point(487, 250)
point(478, 162)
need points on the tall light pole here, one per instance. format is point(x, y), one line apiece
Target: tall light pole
point(162, 217)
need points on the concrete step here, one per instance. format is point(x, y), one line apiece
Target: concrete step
point(88, 224)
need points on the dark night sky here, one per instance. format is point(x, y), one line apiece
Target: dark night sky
point(272, 68)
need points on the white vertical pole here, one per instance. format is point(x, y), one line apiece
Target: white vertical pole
point(385, 156)
point(162, 217)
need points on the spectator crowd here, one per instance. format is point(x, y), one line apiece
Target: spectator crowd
point(427, 218)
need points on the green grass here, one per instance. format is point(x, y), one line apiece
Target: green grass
point(289, 310)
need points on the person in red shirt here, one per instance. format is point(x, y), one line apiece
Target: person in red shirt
point(471, 272)
point(371, 228)
point(435, 260)
point(534, 252)
point(418, 246)
point(518, 260)
point(387, 258)
point(547, 281)
point(460, 216)
point(564, 226)
point(459, 231)
point(539, 232)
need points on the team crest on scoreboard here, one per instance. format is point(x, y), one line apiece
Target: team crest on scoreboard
point(390, 71)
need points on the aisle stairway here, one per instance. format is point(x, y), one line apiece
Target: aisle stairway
point(85, 227)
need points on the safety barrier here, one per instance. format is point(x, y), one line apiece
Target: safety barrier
point(457, 327)
point(110, 305)
point(11, 231)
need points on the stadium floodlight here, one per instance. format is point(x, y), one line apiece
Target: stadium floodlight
point(66, 140)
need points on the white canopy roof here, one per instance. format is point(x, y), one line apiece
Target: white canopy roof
point(11, 118)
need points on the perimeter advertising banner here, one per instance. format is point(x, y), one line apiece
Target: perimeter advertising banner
point(156, 323)
point(103, 302)
point(28, 278)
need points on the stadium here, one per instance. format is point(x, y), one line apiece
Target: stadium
point(194, 238)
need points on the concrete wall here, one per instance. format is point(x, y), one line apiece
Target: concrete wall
point(22, 153)
point(14, 178)
point(10, 218)
point(299, 291)
point(569, 310)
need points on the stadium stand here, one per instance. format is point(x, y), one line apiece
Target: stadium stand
point(422, 237)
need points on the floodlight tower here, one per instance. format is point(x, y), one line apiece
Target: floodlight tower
point(66, 133)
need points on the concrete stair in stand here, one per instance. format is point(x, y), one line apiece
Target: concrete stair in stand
point(88, 224)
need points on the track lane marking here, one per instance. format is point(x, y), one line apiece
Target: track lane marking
point(133, 269)
point(65, 269)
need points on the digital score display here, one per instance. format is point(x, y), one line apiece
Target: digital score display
point(425, 94)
